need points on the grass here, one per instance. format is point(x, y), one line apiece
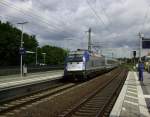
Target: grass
point(129, 66)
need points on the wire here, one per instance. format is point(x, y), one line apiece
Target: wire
point(41, 3)
point(97, 16)
point(30, 30)
point(109, 19)
point(30, 15)
point(145, 18)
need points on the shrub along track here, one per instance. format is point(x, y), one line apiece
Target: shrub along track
point(65, 101)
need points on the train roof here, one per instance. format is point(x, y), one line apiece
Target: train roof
point(81, 52)
point(78, 51)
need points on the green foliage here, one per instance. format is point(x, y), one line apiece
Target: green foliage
point(128, 66)
point(10, 44)
point(54, 55)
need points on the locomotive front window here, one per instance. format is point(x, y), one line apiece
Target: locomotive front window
point(75, 58)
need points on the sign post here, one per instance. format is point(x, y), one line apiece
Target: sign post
point(21, 46)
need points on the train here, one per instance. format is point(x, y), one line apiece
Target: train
point(82, 64)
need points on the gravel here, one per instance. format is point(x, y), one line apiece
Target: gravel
point(53, 106)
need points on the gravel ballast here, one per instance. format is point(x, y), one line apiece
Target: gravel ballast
point(55, 105)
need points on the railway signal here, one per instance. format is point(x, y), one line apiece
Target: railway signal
point(134, 56)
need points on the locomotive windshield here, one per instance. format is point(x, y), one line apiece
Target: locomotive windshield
point(75, 58)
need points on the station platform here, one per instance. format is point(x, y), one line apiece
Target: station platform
point(14, 80)
point(134, 98)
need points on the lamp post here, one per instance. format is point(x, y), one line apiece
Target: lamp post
point(140, 45)
point(36, 56)
point(21, 46)
point(44, 54)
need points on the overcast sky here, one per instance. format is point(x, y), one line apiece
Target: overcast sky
point(114, 23)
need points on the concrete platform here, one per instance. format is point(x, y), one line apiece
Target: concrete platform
point(15, 80)
point(134, 98)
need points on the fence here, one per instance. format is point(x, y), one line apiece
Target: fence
point(9, 70)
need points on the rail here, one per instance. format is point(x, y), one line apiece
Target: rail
point(95, 105)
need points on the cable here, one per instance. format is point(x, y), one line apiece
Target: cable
point(145, 17)
point(98, 17)
point(55, 29)
point(30, 30)
point(41, 3)
point(32, 16)
point(35, 14)
point(110, 22)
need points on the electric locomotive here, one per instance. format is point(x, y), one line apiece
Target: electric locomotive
point(82, 63)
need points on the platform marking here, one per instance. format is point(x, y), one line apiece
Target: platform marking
point(133, 97)
point(142, 103)
point(129, 102)
point(132, 89)
point(132, 86)
point(131, 92)
point(119, 103)
point(146, 96)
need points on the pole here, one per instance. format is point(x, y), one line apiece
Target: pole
point(21, 54)
point(112, 55)
point(21, 46)
point(140, 45)
point(44, 54)
point(89, 41)
point(36, 56)
point(44, 59)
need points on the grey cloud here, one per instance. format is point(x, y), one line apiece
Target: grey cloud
point(55, 21)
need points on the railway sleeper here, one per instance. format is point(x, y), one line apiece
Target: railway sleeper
point(86, 114)
point(85, 111)
point(97, 104)
point(88, 108)
point(95, 101)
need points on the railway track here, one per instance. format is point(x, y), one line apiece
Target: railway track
point(10, 106)
point(100, 102)
point(93, 103)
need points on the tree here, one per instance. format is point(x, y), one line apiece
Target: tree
point(54, 55)
point(10, 44)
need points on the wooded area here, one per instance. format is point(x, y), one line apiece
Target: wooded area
point(10, 44)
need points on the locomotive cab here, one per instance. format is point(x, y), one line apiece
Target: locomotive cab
point(75, 64)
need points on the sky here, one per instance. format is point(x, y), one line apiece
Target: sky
point(115, 24)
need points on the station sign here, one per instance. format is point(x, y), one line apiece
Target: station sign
point(22, 51)
point(146, 43)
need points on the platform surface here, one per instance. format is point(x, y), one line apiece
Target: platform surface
point(14, 80)
point(134, 98)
